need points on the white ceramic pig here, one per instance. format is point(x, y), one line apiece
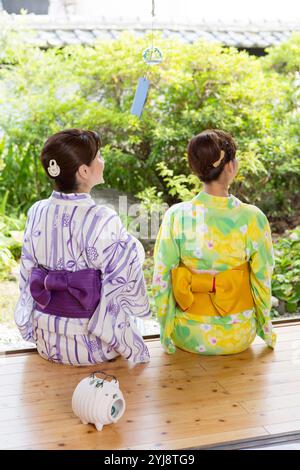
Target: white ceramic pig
point(98, 401)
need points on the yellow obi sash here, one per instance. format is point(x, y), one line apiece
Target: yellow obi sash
point(224, 293)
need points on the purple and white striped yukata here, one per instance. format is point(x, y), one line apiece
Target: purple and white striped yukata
point(71, 232)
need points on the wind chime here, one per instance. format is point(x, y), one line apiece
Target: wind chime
point(151, 56)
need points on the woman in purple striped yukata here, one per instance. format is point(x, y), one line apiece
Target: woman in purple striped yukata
point(81, 278)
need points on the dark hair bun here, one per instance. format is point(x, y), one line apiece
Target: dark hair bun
point(208, 152)
point(64, 152)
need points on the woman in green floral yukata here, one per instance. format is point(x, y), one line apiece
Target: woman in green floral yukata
point(213, 261)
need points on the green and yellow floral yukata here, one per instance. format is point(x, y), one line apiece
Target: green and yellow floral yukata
point(213, 234)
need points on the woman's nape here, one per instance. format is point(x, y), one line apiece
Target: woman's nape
point(220, 187)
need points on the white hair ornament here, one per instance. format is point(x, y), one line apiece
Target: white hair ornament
point(53, 168)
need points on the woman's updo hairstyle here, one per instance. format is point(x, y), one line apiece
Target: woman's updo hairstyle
point(64, 152)
point(208, 152)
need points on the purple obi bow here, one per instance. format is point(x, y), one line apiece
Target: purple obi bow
point(65, 293)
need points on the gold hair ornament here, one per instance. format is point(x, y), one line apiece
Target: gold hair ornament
point(218, 162)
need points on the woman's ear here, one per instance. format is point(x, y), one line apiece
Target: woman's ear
point(236, 165)
point(229, 171)
point(82, 172)
point(228, 167)
point(231, 167)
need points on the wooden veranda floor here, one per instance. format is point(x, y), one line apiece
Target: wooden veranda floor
point(173, 402)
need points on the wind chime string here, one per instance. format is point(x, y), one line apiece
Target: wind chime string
point(148, 58)
point(152, 20)
point(152, 56)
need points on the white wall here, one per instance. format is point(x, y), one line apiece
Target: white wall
point(193, 9)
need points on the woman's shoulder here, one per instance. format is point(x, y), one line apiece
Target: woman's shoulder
point(106, 216)
point(251, 208)
point(102, 210)
point(253, 212)
point(179, 208)
point(93, 208)
point(37, 204)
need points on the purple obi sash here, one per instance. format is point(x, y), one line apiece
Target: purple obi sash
point(65, 293)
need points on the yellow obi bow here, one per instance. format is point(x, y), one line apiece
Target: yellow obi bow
point(224, 293)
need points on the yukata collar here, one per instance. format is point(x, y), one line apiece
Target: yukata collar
point(216, 201)
point(70, 196)
point(58, 197)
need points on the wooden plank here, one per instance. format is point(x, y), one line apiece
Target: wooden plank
point(271, 403)
point(121, 435)
point(293, 425)
point(262, 357)
point(163, 393)
point(206, 439)
point(147, 417)
point(130, 382)
point(188, 442)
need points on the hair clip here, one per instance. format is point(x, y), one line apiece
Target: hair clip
point(53, 168)
point(217, 163)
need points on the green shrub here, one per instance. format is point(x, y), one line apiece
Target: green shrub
point(284, 58)
point(11, 236)
point(286, 278)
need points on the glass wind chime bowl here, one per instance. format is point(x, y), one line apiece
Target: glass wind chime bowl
point(152, 56)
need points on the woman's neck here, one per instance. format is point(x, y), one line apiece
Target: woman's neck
point(83, 189)
point(216, 189)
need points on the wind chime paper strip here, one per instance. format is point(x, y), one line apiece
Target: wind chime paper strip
point(140, 96)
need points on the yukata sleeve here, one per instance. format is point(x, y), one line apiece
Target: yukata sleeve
point(26, 304)
point(260, 250)
point(140, 249)
point(166, 257)
point(123, 290)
